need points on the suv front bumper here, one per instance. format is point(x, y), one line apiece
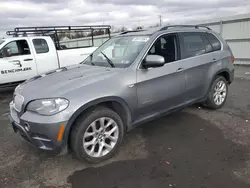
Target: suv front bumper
point(40, 135)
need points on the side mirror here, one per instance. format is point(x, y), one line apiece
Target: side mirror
point(153, 61)
point(6, 52)
point(1, 54)
point(9, 52)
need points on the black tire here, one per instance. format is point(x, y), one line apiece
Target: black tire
point(210, 103)
point(82, 124)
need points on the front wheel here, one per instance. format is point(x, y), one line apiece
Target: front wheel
point(218, 93)
point(97, 135)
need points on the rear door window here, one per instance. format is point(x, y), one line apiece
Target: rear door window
point(192, 44)
point(214, 42)
point(41, 46)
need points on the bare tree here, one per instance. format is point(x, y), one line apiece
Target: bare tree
point(123, 29)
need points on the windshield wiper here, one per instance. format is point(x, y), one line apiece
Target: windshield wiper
point(108, 60)
point(91, 57)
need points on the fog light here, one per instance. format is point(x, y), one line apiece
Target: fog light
point(27, 127)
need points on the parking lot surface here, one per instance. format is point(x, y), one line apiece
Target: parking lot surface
point(195, 147)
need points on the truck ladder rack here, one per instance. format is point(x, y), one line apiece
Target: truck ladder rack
point(58, 29)
point(53, 31)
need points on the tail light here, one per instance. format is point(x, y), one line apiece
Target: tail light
point(232, 59)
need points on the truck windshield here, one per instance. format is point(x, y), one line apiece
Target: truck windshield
point(1, 41)
point(118, 52)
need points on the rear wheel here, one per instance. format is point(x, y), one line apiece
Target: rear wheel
point(97, 135)
point(218, 93)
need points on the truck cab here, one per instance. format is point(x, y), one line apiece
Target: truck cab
point(32, 53)
point(25, 57)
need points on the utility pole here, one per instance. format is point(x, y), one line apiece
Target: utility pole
point(160, 17)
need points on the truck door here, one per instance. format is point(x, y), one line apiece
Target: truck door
point(46, 55)
point(16, 62)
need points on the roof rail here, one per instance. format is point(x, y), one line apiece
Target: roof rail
point(194, 26)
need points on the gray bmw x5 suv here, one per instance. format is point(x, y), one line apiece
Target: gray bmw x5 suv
point(132, 78)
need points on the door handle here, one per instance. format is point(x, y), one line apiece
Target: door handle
point(28, 59)
point(214, 60)
point(179, 70)
point(16, 62)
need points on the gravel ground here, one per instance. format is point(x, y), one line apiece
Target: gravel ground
point(195, 147)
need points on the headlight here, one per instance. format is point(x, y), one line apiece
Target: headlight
point(48, 106)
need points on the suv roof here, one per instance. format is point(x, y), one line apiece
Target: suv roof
point(170, 28)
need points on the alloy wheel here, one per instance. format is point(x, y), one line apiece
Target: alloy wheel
point(220, 92)
point(100, 137)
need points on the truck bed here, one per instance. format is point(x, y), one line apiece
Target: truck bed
point(74, 56)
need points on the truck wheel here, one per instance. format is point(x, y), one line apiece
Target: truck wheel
point(97, 135)
point(218, 93)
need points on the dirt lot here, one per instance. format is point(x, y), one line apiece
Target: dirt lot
point(192, 148)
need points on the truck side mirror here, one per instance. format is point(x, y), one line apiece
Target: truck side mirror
point(6, 52)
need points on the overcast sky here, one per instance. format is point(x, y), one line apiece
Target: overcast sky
point(129, 13)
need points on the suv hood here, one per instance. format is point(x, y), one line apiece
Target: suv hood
point(63, 80)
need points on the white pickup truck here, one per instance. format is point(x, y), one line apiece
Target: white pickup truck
point(22, 58)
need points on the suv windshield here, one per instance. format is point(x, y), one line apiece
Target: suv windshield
point(118, 52)
point(1, 41)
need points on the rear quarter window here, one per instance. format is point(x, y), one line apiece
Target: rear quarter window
point(216, 45)
point(41, 46)
point(208, 46)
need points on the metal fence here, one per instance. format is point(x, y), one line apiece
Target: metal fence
point(236, 31)
point(86, 41)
